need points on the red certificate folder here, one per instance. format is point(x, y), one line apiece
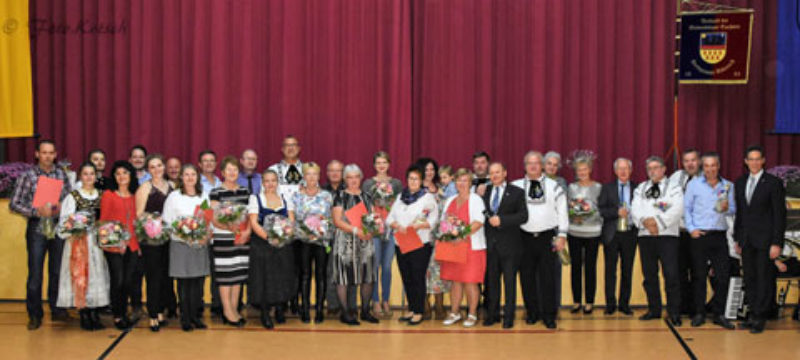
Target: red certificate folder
point(355, 213)
point(48, 190)
point(452, 251)
point(408, 241)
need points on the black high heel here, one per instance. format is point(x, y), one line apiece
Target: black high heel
point(266, 321)
point(575, 309)
point(348, 319)
point(367, 316)
point(280, 315)
point(154, 327)
point(225, 321)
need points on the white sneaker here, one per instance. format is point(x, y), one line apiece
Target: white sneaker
point(451, 319)
point(471, 320)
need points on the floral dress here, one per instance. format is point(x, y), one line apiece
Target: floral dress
point(433, 279)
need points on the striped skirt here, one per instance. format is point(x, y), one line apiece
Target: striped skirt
point(231, 262)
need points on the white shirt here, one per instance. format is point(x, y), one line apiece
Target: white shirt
point(754, 179)
point(549, 214)
point(476, 208)
point(669, 220)
point(179, 205)
point(287, 190)
point(405, 215)
point(69, 206)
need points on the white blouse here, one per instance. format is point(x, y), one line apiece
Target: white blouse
point(179, 205)
point(476, 209)
point(69, 206)
point(405, 215)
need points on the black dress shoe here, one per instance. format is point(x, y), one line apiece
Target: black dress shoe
point(185, 326)
point(266, 321)
point(722, 321)
point(280, 316)
point(649, 316)
point(305, 317)
point(367, 316)
point(34, 323)
point(676, 320)
point(698, 320)
point(508, 324)
point(94, 314)
point(575, 309)
point(757, 327)
point(796, 313)
point(122, 324)
point(587, 309)
point(489, 321)
point(85, 319)
point(626, 310)
point(531, 319)
point(348, 319)
point(198, 324)
point(610, 310)
point(550, 324)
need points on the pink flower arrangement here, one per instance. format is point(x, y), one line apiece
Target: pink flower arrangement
point(452, 229)
point(77, 224)
point(111, 235)
point(383, 195)
point(580, 209)
point(192, 230)
point(151, 229)
point(279, 230)
point(372, 224)
point(314, 228)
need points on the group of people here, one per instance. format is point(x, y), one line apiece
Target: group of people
point(680, 223)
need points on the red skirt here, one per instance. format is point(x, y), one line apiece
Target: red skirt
point(471, 272)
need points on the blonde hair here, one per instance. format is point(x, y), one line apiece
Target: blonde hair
point(463, 172)
point(447, 169)
point(310, 166)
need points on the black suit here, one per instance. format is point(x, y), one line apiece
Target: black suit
point(504, 248)
point(617, 245)
point(760, 223)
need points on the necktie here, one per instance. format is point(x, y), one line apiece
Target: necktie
point(751, 185)
point(654, 192)
point(250, 183)
point(496, 200)
point(535, 189)
point(622, 194)
point(292, 175)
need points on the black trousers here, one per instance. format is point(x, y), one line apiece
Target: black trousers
point(685, 273)
point(622, 249)
point(583, 255)
point(122, 269)
point(663, 249)
point(413, 265)
point(313, 256)
point(537, 263)
point(713, 247)
point(502, 262)
point(759, 280)
point(156, 272)
point(190, 291)
point(39, 247)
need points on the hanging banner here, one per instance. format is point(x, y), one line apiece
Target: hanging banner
point(16, 86)
point(787, 69)
point(715, 47)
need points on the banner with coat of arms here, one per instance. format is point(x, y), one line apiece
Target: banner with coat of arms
point(715, 47)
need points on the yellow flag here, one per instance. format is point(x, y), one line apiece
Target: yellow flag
point(16, 86)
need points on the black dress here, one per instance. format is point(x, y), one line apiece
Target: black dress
point(273, 278)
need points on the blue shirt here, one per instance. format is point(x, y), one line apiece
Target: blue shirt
point(624, 193)
point(700, 201)
point(449, 190)
point(255, 181)
point(144, 178)
point(207, 185)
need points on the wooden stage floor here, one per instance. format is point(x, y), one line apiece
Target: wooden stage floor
point(593, 336)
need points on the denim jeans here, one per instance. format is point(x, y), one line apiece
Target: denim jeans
point(384, 254)
point(39, 247)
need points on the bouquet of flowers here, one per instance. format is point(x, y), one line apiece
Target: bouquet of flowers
point(662, 205)
point(372, 224)
point(77, 224)
point(722, 197)
point(314, 228)
point(112, 235)
point(580, 209)
point(228, 213)
point(193, 230)
point(279, 230)
point(151, 229)
point(452, 229)
point(383, 195)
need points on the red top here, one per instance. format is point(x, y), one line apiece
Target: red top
point(462, 213)
point(122, 209)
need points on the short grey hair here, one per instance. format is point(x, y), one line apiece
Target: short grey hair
point(352, 168)
point(554, 155)
point(531, 153)
point(655, 158)
point(334, 161)
point(617, 161)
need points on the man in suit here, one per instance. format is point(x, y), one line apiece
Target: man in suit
point(690, 161)
point(547, 219)
point(614, 203)
point(759, 230)
point(657, 208)
point(506, 212)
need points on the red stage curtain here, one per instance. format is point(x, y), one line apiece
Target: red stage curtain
point(440, 78)
point(189, 75)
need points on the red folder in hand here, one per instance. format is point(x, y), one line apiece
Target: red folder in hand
point(355, 213)
point(48, 190)
point(451, 251)
point(408, 241)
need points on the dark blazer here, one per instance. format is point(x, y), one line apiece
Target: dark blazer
point(762, 222)
point(512, 212)
point(608, 203)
